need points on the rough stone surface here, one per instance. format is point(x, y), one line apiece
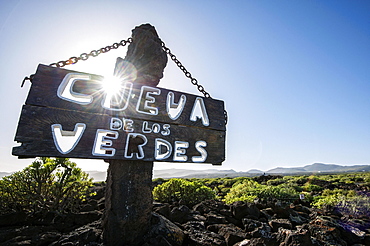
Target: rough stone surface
point(163, 209)
point(12, 219)
point(242, 209)
point(323, 227)
point(232, 234)
point(84, 235)
point(164, 232)
point(294, 237)
point(180, 214)
point(128, 201)
point(145, 53)
point(198, 235)
point(213, 218)
point(128, 196)
point(280, 223)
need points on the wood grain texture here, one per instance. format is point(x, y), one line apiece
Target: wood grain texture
point(35, 134)
point(47, 79)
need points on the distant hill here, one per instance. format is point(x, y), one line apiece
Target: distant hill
point(255, 171)
point(3, 174)
point(320, 168)
point(97, 175)
point(215, 173)
point(176, 173)
point(284, 170)
point(186, 173)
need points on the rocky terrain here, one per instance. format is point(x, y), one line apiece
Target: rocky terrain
point(209, 223)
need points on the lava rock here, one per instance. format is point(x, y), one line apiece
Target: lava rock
point(288, 237)
point(213, 218)
point(232, 234)
point(198, 235)
point(163, 232)
point(280, 223)
point(180, 214)
point(243, 209)
point(162, 208)
point(12, 219)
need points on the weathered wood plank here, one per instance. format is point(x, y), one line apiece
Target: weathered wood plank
point(35, 133)
point(47, 80)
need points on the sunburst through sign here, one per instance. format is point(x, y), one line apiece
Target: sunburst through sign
point(80, 115)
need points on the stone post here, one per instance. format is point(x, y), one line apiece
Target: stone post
point(128, 198)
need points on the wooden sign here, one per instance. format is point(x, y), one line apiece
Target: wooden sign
point(72, 114)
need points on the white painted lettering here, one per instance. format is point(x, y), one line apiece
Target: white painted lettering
point(160, 145)
point(103, 143)
point(65, 89)
point(156, 128)
point(66, 141)
point(115, 124)
point(166, 130)
point(146, 98)
point(174, 110)
point(124, 124)
point(146, 128)
point(199, 111)
point(134, 144)
point(199, 145)
point(128, 125)
point(180, 151)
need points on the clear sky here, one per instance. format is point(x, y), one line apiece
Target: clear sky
point(294, 75)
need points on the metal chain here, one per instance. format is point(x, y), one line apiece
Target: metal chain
point(83, 57)
point(194, 81)
point(94, 53)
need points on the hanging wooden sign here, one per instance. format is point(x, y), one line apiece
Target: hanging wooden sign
point(72, 114)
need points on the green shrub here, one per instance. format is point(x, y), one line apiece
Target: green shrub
point(188, 192)
point(244, 191)
point(46, 185)
point(311, 187)
point(276, 181)
point(332, 197)
point(249, 190)
point(229, 182)
point(225, 190)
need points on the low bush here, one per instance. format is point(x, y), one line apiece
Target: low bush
point(347, 202)
point(278, 181)
point(311, 187)
point(46, 185)
point(330, 198)
point(188, 192)
point(249, 190)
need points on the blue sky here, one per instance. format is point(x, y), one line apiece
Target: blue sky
point(294, 75)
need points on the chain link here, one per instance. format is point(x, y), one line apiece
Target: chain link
point(93, 53)
point(193, 80)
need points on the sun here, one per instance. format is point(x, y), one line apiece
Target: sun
point(116, 88)
point(124, 72)
point(116, 92)
point(112, 85)
point(112, 88)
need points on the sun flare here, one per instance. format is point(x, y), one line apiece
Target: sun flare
point(112, 85)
